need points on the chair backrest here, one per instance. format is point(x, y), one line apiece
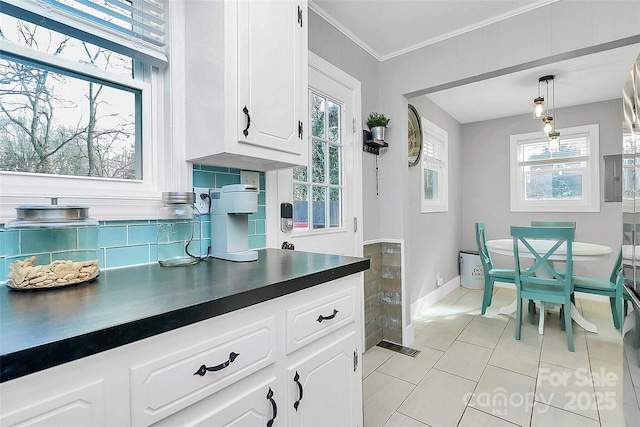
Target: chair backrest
point(481, 240)
point(553, 224)
point(616, 274)
point(544, 244)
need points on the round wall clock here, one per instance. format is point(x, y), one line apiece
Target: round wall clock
point(415, 136)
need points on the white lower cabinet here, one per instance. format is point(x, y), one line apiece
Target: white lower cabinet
point(290, 361)
point(327, 385)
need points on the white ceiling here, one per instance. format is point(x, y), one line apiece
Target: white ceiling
point(410, 24)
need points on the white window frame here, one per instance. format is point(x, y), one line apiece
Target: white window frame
point(309, 231)
point(433, 134)
point(164, 165)
point(591, 174)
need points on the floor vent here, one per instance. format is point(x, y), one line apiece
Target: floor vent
point(398, 348)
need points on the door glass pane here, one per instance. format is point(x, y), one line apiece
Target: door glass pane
point(334, 207)
point(300, 174)
point(300, 206)
point(318, 161)
point(334, 165)
point(334, 121)
point(319, 207)
point(317, 116)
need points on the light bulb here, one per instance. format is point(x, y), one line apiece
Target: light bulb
point(548, 124)
point(554, 142)
point(538, 109)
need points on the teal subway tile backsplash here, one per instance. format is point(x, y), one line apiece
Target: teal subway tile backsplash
point(11, 240)
point(127, 255)
point(138, 234)
point(257, 241)
point(112, 235)
point(123, 243)
point(261, 214)
point(204, 179)
point(52, 240)
point(223, 179)
point(261, 227)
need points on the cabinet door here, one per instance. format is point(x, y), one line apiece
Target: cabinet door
point(272, 67)
point(326, 388)
point(253, 406)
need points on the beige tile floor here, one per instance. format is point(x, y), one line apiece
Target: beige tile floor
point(472, 372)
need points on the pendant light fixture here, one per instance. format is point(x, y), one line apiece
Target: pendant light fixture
point(542, 111)
point(539, 109)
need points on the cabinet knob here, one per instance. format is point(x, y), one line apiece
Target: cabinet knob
point(204, 368)
point(321, 317)
point(275, 407)
point(245, 110)
point(296, 379)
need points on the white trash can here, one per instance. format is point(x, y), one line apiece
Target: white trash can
point(471, 272)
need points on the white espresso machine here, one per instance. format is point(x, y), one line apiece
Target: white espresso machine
point(230, 209)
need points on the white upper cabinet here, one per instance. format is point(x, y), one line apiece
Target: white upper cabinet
point(246, 83)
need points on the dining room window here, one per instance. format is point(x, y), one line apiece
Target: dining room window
point(556, 181)
point(435, 168)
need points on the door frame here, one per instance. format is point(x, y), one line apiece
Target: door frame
point(271, 178)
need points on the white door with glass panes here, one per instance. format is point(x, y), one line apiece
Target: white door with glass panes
point(326, 196)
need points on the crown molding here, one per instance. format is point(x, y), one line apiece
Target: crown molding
point(340, 27)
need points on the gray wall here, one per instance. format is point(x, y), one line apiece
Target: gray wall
point(433, 239)
point(486, 186)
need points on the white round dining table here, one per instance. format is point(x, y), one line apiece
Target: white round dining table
point(581, 251)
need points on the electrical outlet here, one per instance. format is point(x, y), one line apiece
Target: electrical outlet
point(202, 204)
point(250, 178)
point(439, 280)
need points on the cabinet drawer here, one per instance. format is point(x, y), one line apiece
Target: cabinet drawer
point(250, 405)
point(82, 406)
point(166, 385)
point(308, 322)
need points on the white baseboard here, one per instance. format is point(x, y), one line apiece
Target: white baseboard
point(408, 334)
point(434, 296)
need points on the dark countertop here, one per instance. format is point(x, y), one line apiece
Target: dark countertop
point(45, 328)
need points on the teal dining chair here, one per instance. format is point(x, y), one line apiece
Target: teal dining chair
point(491, 274)
point(541, 282)
point(571, 224)
point(612, 288)
point(553, 224)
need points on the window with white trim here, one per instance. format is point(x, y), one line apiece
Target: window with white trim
point(564, 181)
point(81, 104)
point(435, 168)
point(318, 189)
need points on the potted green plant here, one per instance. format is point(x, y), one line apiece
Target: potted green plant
point(377, 123)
